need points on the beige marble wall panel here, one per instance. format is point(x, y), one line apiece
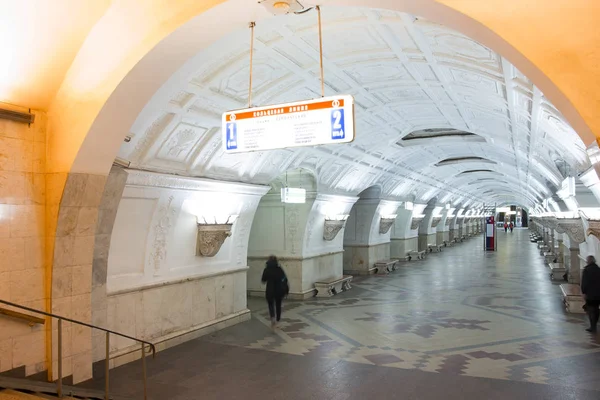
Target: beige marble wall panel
point(424, 240)
point(73, 242)
point(22, 240)
point(400, 247)
point(155, 313)
point(439, 237)
point(359, 260)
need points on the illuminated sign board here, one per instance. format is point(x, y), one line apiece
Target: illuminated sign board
point(326, 120)
point(293, 195)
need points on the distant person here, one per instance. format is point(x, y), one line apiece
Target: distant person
point(505, 227)
point(511, 226)
point(277, 288)
point(590, 288)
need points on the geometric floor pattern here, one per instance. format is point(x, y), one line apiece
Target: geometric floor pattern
point(458, 312)
point(461, 324)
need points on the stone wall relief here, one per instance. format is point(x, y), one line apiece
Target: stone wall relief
point(244, 223)
point(415, 222)
point(573, 227)
point(210, 238)
point(331, 228)
point(165, 218)
point(292, 221)
point(385, 224)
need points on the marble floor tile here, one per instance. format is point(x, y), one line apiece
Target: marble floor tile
point(472, 324)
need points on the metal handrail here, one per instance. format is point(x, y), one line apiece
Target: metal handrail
point(31, 320)
point(108, 333)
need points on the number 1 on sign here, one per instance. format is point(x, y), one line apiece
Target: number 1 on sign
point(337, 124)
point(231, 143)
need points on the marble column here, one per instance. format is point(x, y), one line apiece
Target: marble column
point(573, 227)
point(561, 250)
point(574, 266)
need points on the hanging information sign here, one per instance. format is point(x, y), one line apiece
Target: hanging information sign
point(326, 120)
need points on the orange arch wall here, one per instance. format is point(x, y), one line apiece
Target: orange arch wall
point(555, 43)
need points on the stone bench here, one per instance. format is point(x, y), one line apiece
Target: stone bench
point(544, 249)
point(333, 286)
point(572, 298)
point(557, 271)
point(448, 243)
point(418, 255)
point(434, 247)
point(457, 239)
point(386, 266)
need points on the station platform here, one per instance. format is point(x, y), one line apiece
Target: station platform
point(461, 324)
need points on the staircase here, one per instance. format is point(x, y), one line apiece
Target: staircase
point(25, 389)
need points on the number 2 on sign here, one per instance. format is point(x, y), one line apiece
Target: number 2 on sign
point(337, 124)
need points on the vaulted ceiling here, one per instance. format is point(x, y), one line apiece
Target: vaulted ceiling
point(437, 114)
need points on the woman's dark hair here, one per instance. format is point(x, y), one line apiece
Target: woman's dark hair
point(272, 259)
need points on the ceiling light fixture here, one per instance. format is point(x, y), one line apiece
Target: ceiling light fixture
point(282, 7)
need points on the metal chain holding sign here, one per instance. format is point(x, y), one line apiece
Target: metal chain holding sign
point(321, 53)
point(251, 25)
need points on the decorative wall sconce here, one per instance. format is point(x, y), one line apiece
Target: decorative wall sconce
point(212, 233)
point(333, 224)
point(592, 217)
point(386, 222)
point(416, 221)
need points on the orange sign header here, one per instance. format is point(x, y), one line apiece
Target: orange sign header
point(290, 109)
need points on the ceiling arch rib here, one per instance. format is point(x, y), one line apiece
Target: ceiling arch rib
point(406, 75)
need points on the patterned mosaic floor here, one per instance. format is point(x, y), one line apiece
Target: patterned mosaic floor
point(461, 312)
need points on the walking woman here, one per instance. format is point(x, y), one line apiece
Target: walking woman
point(277, 288)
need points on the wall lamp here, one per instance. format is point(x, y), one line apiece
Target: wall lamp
point(212, 232)
point(386, 222)
point(333, 224)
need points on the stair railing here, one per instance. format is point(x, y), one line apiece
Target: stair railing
point(144, 344)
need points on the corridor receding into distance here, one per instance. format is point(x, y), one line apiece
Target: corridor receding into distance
point(417, 180)
point(424, 331)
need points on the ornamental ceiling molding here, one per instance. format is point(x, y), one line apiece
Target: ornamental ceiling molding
point(573, 227)
point(400, 71)
point(153, 179)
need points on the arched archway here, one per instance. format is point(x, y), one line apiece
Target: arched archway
point(101, 98)
point(92, 116)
